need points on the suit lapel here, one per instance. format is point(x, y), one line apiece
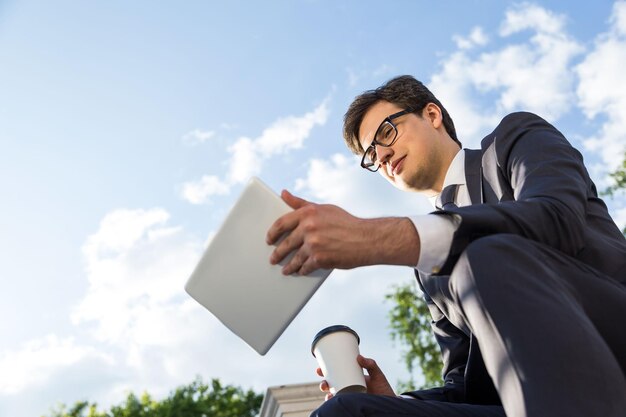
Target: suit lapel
point(473, 175)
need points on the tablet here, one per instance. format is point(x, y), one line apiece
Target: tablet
point(235, 281)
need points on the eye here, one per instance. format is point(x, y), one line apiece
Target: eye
point(386, 133)
point(370, 155)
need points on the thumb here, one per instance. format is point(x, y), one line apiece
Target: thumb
point(369, 364)
point(293, 201)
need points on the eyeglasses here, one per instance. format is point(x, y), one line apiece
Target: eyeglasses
point(386, 135)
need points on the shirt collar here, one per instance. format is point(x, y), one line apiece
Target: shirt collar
point(454, 175)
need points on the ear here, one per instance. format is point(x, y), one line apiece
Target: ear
point(434, 114)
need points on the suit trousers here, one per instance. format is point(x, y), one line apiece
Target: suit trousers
point(550, 328)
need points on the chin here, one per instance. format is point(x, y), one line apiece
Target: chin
point(400, 185)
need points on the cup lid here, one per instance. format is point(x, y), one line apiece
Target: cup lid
point(332, 329)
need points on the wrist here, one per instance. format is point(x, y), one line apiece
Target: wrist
point(390, 241)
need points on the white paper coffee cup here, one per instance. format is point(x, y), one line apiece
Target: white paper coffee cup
point(336, 349)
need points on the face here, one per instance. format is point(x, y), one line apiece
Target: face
point(417, 160)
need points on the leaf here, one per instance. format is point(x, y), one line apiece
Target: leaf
point(409, 321)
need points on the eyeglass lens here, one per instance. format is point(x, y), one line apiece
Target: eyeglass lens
point(385, 137)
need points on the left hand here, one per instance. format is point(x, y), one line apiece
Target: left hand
point(375, 380)
point(323, 236)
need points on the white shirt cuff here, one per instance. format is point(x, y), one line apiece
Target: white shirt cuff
point(435, 233)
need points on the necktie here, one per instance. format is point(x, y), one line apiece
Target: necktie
point(447, 197)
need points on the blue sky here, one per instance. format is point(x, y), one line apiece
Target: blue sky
point(128, 129)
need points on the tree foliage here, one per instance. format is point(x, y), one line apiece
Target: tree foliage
point(193, 400)
point(410, 325)
point(619, 182)
point(619, 178)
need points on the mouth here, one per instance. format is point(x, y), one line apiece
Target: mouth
point(396, 166)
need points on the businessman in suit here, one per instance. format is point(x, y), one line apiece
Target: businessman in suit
point(522, 267)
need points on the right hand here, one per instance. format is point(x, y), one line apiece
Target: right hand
point(375, 380)
point(321, 236)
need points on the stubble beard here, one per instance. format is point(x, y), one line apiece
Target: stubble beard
point(423, 176)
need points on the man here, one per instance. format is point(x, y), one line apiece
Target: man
point(523, 269)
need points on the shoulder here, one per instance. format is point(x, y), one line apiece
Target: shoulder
point(521, 117)
point(513, 126)
point(522, 121)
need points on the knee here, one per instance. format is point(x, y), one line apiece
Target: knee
point(495, 248)
point(486, 259)
point(345, 405)
point(491, 251)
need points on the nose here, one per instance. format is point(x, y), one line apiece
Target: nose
point(384, 154)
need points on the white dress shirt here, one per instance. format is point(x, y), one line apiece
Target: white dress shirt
point(435, 232)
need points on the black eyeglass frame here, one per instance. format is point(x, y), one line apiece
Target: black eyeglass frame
point(372, 145)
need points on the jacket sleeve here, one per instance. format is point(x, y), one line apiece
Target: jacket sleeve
point(544, 180)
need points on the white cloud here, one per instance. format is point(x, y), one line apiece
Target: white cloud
point(531, 16)
point(602, 90)
point(329, 180)
point(134, 263)
point(341, 181)
point(120, 230)
point(136, 307)
point(289, 133)
point(245, 161)
point(198, 192)
point(454, 86)
point(533, 75)
point(37, 361)
point(197, 137)
point(247, 155)
point(477, 37)
point(618, 18)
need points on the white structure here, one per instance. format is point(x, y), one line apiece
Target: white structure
point(297, 400)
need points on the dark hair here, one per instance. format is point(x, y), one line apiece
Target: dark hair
point(404, 91)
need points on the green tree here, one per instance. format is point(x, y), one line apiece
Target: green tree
point(619, 182)
point(193, 400)
point(410, 325)
point(619, 177)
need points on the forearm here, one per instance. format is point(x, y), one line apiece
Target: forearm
point(324, 236)
point(389, 241)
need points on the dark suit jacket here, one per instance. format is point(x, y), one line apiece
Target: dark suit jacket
point(529, 181)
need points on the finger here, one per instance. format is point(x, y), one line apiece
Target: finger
point(310, 265)
point(291, 243)
point(284, 224)
point(324, 387)
point(369, 364)
point(319, 372)
point(296, 262)
point(293, 201)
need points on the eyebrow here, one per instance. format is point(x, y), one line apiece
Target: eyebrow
point(365, 148)
point(361, 142)
point(373, 136)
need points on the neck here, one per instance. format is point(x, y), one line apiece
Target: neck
point(449, 153)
